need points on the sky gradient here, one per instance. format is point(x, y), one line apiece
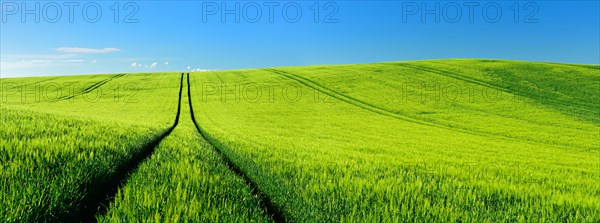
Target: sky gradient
point(196, 35)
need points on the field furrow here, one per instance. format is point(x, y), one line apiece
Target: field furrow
point(91, 87)
point(270, 208)
point(370, 107)
point(585, 106)
point(185, 180)
point(125, 171)
point(66, 169)
point(457, 140)
point(457, 104)
point(321, 160)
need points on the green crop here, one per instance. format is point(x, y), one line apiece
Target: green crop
point(458, 140)
point(62, 150)
point(388, 142)
point(184, 181)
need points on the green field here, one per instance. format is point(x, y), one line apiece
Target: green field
point(456, 140)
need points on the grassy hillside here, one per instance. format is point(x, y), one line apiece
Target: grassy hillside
point(430, 141)
point(184, 181)
point(68, 141)
point(449, 140)
point(137, 99)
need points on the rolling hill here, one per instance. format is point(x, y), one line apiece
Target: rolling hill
point(456, 140)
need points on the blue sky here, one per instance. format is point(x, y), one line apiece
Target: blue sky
point(189, 35)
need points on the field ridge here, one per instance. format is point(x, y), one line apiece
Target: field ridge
point(91, 87)
point(382, 111)
point(472, 80)
point(265, 201)
point(100, 207)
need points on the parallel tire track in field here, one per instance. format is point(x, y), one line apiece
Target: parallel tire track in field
point(382, 111)
point(584, 106)
point(98, 201)
point(91, 87)
point(267, 205)
point(359, 103)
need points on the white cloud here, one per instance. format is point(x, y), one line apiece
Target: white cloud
point(6, 65)
point(154, 65)
point(167, 63)
point(86, 50)
point(189, 67)
point(200, 70)
point(41, 56)
point(134, 64)
point(136, 59)
point(17, 62)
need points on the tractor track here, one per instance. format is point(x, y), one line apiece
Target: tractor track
point(266, 203)
point(364, 105)
point(461, 77)
point(98, 201)
point(370, 107)
point(91, 87)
